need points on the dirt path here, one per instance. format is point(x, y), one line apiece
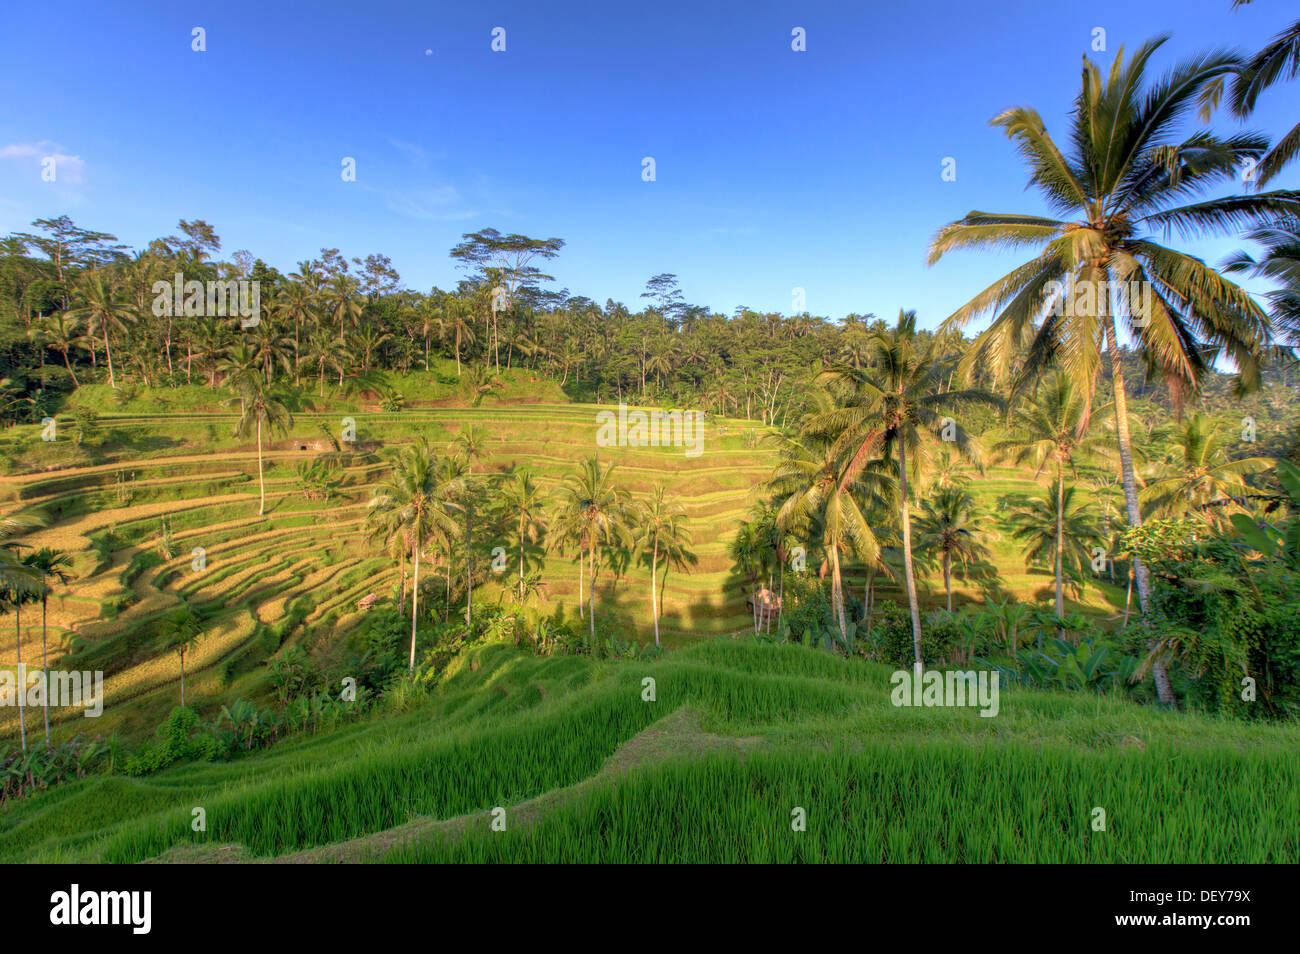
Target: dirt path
point(672, 737)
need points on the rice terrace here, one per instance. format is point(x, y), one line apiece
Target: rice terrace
point(301, 563)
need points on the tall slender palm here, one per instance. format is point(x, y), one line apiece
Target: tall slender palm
point(415, 500)
point(570, 530)
point(819, 496)
point(50, 564)
point(262, 410)
point(63, 333)
point(300, 302)
point(521, 499)
point(106, 308)
point(1123, 183)
point(664, 531)
point(898, 411)
point(186, 633)
point(344, 302)
point(18, 583)
point(604, 507)
point(1049, 430)
point(470, 442)
point(324, 351)
point(949, 525)
point(1034, 523)
point(1197, 472)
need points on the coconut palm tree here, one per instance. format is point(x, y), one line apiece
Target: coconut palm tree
point(107, 308)
point(186, 633)
point(818, 495)
point(415, 501)
point(261, 409)
point(1051, 429)
point(471, 443)
point(324, 351)
point(664, 531)
point(948, 525)
point(897, 411)
point(1279, 60)
point(1197, 472)
point(63, 333)
point(1122, 184)
point(1034, 523)
point(1280, 263)
point(570, 530)
point(301, 299)
point(49, 564)
point(591, 489)
point(521, 500)
point(18, 584)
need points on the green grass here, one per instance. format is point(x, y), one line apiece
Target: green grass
point(799, 728)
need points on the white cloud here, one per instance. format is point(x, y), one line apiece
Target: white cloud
point(68, 169)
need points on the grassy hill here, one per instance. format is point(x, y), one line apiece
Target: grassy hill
point(739, 735)
point(294, 577)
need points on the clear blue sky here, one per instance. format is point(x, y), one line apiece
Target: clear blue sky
point(775, 169)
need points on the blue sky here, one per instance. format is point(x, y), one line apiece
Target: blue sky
point(775, 169)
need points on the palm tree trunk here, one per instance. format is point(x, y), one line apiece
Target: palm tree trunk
point(947, 578)
point(112, 381)
point(415, 596)
point(182, 655)
point(582, 573)
point(654, 593)
point(22, 683)
point(75, 382)
point(1164, 690)
point(469, 567)
point(837, 592)
point(591, 593)
point(45, 696)
point(1060, 545)
point(906, 521)
point(261, 507)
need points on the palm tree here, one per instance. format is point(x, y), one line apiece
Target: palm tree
point(238, 365)
point(1123, 181)
point(1050, 430)
point(187, 632)
point(18, 583)
point(49, 563)
point(818, 495)
point(471, 443)
point(344, 303)
point(1197, 472)
point(1278, 61)
point(896, 411)
point(300, 302)
point(665, 530)
point(521, 499)
point(63, 333)
point(415, 501)
point(948, 525)
point(458, 324)
point(591, 489)
point(325, 351)
point(1280, 263)
point(1034, 523)
point(570, 529)
point(262, 408)
point(107, 308)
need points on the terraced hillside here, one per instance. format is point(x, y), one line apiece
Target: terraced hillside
point(171, 517)
point(584, 767)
